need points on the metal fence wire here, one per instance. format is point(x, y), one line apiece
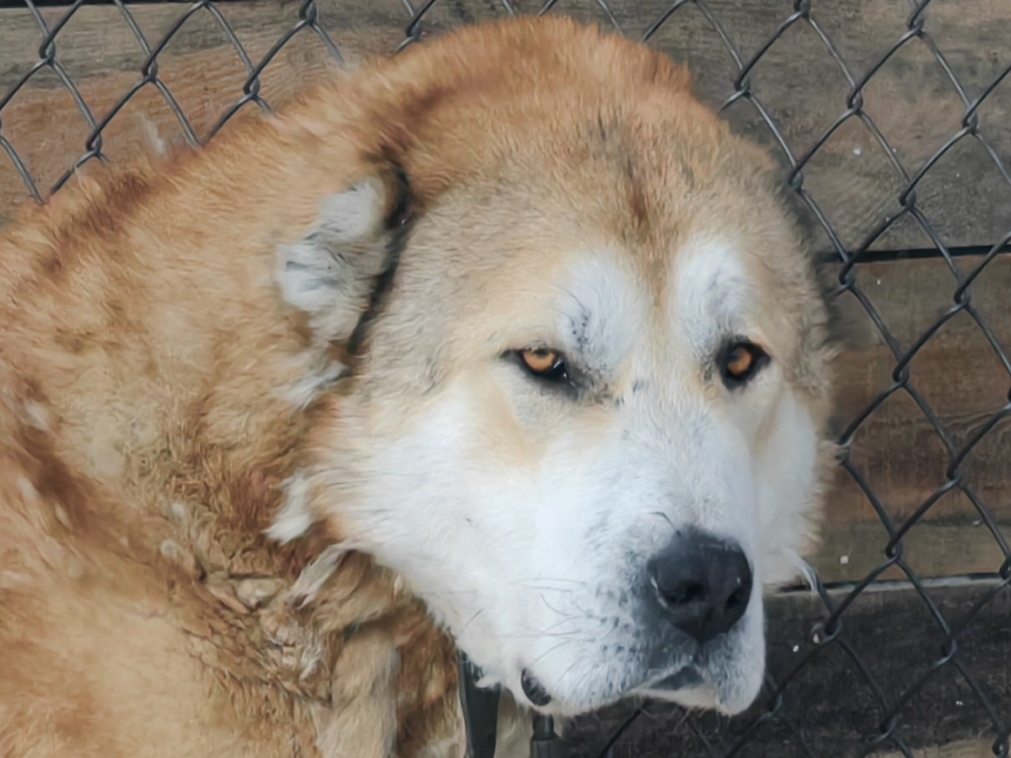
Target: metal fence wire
point(878, 728)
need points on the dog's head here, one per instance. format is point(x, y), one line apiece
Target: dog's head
point(589, 365)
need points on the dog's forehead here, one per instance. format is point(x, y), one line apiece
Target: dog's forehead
point(543, 268)
point(606, 300)
point(566, 181)
point(626, 148)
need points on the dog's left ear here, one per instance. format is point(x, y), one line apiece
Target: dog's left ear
point(337, 271)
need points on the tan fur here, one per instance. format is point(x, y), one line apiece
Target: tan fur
point(145, 435)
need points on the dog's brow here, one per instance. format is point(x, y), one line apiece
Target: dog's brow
point(601, 312)
point(709, 296)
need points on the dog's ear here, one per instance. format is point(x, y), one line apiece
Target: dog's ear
point(337, 272)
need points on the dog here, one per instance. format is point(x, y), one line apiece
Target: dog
point(505, 344)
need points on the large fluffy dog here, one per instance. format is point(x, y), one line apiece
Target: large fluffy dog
point(511, 316)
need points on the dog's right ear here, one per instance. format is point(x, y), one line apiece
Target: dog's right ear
point(336, 272)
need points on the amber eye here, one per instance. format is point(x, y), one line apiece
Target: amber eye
point(741, 361)
point(545, 364)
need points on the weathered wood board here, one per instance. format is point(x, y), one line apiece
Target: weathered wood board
point(897, 451)
point(910, 99)
point(967, 749)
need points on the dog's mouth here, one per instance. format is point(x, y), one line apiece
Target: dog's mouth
point(689, 686)
point(687, 678)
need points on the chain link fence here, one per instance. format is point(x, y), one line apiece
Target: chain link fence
point(829, 690)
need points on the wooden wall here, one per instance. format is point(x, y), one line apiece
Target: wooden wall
point(910, 99)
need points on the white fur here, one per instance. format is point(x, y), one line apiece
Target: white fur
point(179, 513)
point(294, 519)
point(316, 574)
point(356, 214)
point(27, 489)
point(38, 416)
point(537, 562)
point(328, 274)
point(712, 293)
point(156, 142)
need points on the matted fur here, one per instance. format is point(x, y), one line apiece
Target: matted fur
point(177, 575)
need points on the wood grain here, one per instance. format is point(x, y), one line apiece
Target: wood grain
point(969, 749)
point(897, 450)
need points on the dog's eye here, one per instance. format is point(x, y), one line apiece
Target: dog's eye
point(545, 364)
point(740, 362)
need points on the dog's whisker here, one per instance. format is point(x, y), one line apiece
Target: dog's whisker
point(568, 670)
point(550, 650)
point(567, 620)
point(451, 593)
point(547, 589)
point(523, 580)
point(541, 635)
point(666, 518)
point(552, 608)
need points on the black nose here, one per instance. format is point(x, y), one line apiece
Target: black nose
point(703, 584)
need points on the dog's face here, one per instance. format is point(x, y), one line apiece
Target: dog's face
point(586, 418)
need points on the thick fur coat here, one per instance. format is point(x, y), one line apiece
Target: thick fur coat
point(229, 377)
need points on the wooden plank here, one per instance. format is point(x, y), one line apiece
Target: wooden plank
point(852, 550)
point(897, 451)
point(829, 703)
point(969, 749)
point(965, 196)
